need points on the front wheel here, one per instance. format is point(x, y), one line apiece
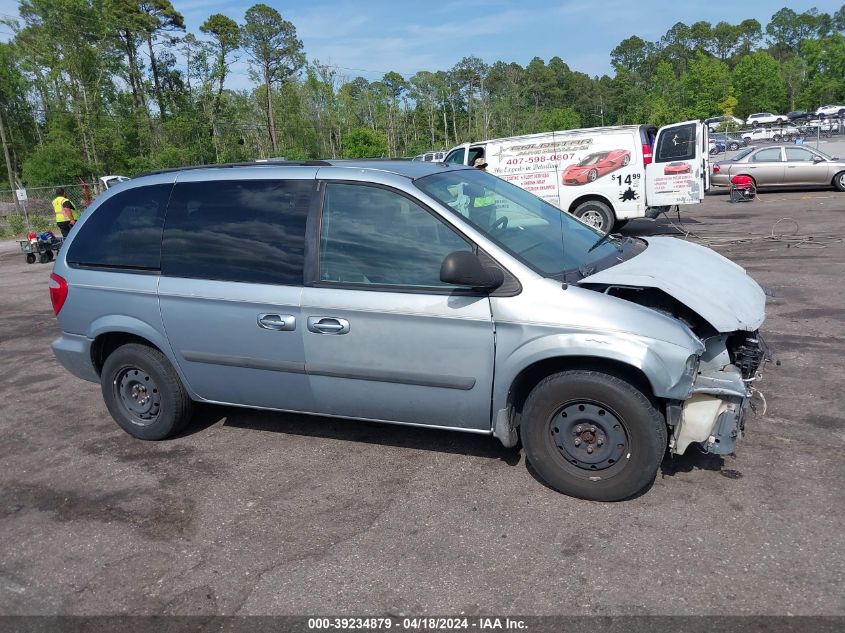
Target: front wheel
point(839, 181)
point(733, 147)
point(595, 213)
point(592, 435)
point(143, 392)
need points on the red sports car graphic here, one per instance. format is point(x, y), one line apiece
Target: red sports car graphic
point(677, 168)
point(596, 165)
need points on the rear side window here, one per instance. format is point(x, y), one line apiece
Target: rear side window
point(250, 231)
point(767, 155)
point(123, 232)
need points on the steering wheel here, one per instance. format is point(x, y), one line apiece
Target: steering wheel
point(499, 225)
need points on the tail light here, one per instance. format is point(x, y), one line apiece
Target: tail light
point(716, 168)
point(58, 292)
point(646, 154)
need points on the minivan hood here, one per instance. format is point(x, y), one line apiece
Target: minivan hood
point(714, 287)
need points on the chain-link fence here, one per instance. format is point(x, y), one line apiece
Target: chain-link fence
point(37, 211)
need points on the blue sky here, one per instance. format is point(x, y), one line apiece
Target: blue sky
point(369, 38)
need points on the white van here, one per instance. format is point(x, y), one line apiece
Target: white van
point(605, 176)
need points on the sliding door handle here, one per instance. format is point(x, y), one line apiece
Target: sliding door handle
point(328, 325)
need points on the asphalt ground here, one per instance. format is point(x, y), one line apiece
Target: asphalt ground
point(258, 513)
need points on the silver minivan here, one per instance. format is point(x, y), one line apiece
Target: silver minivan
point(411, 293)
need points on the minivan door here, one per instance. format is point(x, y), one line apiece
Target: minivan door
point(385, 339)
point(679, 172)
point(231, 281)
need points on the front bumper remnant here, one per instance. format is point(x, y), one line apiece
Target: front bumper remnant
point(713, 416)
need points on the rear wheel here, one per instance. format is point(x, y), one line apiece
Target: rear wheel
point(592, 435)
point(143, 392)
point(30, 258)
point(592, 175)
point(839, 181)
point(733, 146)
point(597, 214)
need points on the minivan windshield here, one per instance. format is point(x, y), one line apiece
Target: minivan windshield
point(550, 241)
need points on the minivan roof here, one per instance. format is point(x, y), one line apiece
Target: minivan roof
point(407, 168)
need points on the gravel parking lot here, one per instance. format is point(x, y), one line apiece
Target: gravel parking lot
point(257, 513)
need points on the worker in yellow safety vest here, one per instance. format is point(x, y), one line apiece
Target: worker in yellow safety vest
point(65, 212)
point(484, 207)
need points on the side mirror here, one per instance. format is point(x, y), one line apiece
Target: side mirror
point(818, 159)
point(463, 268)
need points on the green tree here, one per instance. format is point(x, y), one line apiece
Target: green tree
point(560, 119)
point(759, 84)
point(275, 52)
point(706, 84)
point(363, 142)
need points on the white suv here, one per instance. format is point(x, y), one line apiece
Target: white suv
point(765, 117)
point(831, 110)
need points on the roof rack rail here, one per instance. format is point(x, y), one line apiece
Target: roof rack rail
point(270, 162)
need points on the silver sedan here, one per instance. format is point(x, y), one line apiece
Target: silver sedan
point(782, 166)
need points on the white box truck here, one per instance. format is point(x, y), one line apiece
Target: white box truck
point(604, 176)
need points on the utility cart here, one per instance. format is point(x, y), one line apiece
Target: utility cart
point(40, 247)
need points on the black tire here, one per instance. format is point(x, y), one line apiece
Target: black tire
point(755, 124)
point(138, 368)
point(619, 224)
point(30, 258)
point(733, 146)
point(584, 407)
point(776, 138)
point(44, 258)
point(597, 214)
point(839, 181)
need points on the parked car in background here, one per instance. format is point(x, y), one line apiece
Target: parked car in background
point(731, 142)
point(716, 147)
point(431, 157)
point(776, 134)
point(831, 110)
point(106, 182)
point(722, 122)
point(762, 118)
point(782, 166)
point(800, 115)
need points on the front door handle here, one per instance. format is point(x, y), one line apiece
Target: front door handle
point(328, 325)
point(278, 322)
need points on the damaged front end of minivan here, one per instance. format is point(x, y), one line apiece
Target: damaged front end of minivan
point(722, 307)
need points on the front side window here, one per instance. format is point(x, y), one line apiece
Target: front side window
point(250, 231)
point(457, 157)
point(798, 154)
point(124, 231)
point(771, 155)
point(549, 240)
point(677, 143)
point(376, 237)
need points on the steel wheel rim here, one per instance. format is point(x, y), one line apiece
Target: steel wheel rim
point(590, 439)
point(138, 394)
point(593, 218)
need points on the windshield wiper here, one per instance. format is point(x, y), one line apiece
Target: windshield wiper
point(602, 240)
